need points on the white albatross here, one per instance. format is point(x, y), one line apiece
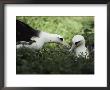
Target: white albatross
point(78, 45)
point(43, 38)
point(28, 37)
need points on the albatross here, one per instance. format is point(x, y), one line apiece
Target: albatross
point(28, 37)
point(78, 45)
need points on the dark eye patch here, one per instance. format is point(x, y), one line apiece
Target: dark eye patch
point(77, 42)
point(61, 39)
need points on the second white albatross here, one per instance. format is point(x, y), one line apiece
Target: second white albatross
point(78, 45)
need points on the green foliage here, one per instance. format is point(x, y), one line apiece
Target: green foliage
point(53, 58)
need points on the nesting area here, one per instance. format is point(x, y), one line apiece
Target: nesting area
point(54, 58)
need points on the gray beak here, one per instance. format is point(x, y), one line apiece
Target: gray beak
point(72, 48)
point(65, 44)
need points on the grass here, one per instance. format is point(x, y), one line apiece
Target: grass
point(53, 58)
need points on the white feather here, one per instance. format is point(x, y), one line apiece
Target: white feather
point(81, 49)
point(43, 38)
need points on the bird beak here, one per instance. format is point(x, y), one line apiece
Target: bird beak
point(73, 47)
point(65, 44)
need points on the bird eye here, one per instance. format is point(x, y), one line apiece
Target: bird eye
point(61, 39)
point(77, 42)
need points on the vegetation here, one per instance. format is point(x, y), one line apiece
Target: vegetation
point(54, 58)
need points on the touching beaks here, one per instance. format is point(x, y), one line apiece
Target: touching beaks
point(65, 44)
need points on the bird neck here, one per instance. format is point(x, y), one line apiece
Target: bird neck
point(48, 37)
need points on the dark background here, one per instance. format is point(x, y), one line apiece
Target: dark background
point(48, 2)
point(1, 46)
point(57, 1)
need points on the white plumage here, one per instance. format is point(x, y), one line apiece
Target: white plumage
point(28, 37)
point(43, 38)
point(78, 45)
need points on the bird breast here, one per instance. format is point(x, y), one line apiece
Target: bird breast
point(81, 51)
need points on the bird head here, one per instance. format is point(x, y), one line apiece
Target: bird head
point(58, 39)
point(77, 41)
